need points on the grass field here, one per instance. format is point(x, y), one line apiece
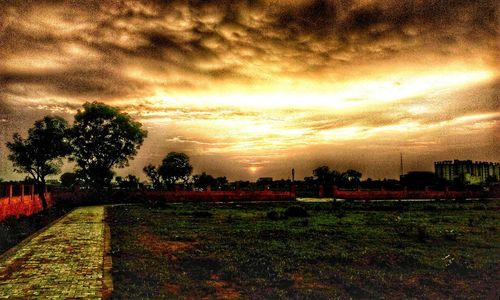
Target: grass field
point(256, 251)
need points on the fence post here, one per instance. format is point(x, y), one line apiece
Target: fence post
point(22, 192)
point(9, 188)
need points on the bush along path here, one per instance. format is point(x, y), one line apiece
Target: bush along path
point(65, 260)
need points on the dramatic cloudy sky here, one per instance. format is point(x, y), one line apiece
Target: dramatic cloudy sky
point(254, 88)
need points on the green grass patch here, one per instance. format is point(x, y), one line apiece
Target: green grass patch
point(327, 251)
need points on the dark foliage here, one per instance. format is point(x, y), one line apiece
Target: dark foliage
point(103, 138)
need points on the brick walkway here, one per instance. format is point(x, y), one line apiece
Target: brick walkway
point(64, 261)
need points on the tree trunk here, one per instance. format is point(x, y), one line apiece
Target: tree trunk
point(41, 193)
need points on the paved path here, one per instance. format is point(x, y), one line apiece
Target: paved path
point(64, 261)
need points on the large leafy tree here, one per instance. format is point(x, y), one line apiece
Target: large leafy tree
point(103, 138)
point(175, 167)
point(41, 153)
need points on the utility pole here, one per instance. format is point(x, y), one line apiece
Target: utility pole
point(293, 175)
point(401, 170)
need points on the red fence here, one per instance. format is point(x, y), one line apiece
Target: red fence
point(23, 203)
point(219, 196)
point(404, 194)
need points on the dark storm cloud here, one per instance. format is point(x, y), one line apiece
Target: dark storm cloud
point(86, 84)
point(220, 40)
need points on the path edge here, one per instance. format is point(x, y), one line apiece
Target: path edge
point(107, 278)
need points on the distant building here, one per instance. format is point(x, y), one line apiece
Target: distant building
point(467, 171)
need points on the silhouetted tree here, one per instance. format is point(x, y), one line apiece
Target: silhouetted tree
point(41, 153)
point(154, 175)
point(202, 180)
point(103, 138)
point(175, 167)
point(350, 178)
point(130, 182)
point(309, 180)
point(222, 183)
point(323, 175)
point(68, 179)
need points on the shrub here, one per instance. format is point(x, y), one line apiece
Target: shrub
point(296, 212)
point(451, 235)
point(202, 214)
point(273, 215)
point(301, 223)
point(480, 207)
point(461, 264)
point(422, 233)
point(230, 219)
point(430, 207)
point(402, 229)
point(341, 213)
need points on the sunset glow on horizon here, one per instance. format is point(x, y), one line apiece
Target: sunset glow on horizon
point(251, 89)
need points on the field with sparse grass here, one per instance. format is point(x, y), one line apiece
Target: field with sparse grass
point(306, 251)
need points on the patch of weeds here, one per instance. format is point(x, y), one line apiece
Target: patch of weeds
point(295, 211)
point(340, 213)
point(373, 219)
point(475, 221)
point(430, 207)
point(422, 233)
point(357, 292)
point(200, 268)
point(491, 228)
point(480, 207)
point(402, 229)
point(401, 206)
point(301, 223)
point(273, 234)
point(451, 234)
point(202, 214)
point(274, 215)
point(230, 219)
point(461, 264)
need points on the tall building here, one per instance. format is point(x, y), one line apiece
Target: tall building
point(466, 170)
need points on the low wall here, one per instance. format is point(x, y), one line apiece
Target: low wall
point(24, 205)
point(380, 195)
point(219, 196)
